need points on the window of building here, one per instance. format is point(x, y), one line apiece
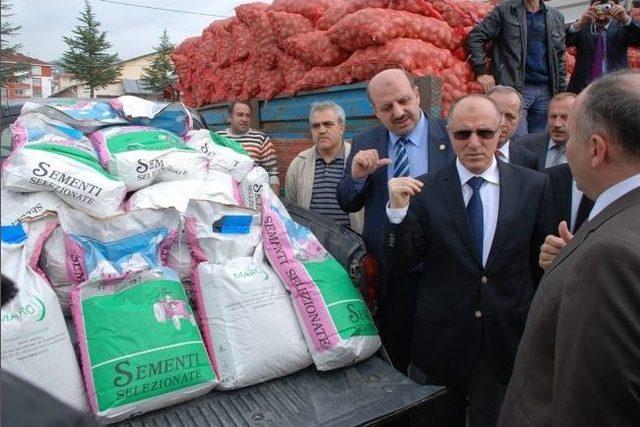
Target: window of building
point(37, 81)
point(37, 93)
point(19, 92)
point(36, 70)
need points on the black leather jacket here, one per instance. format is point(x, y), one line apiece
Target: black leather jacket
point(506, 27)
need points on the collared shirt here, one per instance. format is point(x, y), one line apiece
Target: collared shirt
point(417, 149)
point(576, 197)
point(489, 193)
point(326, 178)
point(552, 153)
point(613, 193)
point(503, 152)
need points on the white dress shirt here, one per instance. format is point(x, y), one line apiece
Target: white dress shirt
point(503, 152)
point(489, 193)
point(576, 197)
point(613, 193)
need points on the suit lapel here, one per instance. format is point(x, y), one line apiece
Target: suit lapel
point(506, 210)
point(436, 145)
point(380, 176)
point(589, 227)
point(542, 151)
point(452, 193)
point(566, 192)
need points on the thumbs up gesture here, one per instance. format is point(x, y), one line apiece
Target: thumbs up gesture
point(553, 245)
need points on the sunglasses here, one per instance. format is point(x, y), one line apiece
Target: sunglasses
point(463, 135)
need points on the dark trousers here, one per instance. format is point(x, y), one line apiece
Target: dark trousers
point(480, 396)
point(395, 318)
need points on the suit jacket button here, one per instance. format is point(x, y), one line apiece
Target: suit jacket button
point(442, 147)
point(478, 314)
point(484, 280)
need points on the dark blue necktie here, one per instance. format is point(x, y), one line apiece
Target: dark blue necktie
point(474, 211)
point(401, 164)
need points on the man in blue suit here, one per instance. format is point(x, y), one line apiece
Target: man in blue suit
point(477, 225)
point(409, 143)
point(601, 37)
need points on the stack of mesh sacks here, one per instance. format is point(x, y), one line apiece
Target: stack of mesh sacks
point(294, 45)
point(165, 279)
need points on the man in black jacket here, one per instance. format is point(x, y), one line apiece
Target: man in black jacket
point(527, 54)
point(601, 40)
point(477, 225)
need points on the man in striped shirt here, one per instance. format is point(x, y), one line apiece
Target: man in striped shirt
point(314, 175)
point(257, 144)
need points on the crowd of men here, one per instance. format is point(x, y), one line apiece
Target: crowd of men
point(465, 216)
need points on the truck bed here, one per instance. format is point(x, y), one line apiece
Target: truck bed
point(369, 392)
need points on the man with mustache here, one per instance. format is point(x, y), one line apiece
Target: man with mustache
point(314, 175)
point(549, 147)
point(510, 105)
point(408, 143)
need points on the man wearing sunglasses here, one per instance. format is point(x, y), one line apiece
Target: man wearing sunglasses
point(409, 143)
point(477, 225)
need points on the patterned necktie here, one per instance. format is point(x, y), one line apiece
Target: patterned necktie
point(598, 55)
point(401, 166)
point(475, 212)
point(559, 156)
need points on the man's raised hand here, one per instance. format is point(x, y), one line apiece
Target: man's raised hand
point(401, 190)
point(365, 162)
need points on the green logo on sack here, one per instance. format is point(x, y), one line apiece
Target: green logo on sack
point(251, 272)
point(33, 310)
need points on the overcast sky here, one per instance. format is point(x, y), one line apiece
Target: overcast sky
point(133, 31)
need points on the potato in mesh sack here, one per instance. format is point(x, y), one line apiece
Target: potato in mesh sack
point(315, 49)
point(370, 27)
point(310, 9)
point(293, 70)
point(241, 40)
point(286, 25)
point(319, 77)
point(271, 83)
point(334, 14)
point(219, 31)
point(248, 13)
point(408, 54)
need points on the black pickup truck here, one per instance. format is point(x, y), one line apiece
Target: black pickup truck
point(369, 393)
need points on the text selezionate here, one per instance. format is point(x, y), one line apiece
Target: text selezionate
point(65, 184)
point(301, 290)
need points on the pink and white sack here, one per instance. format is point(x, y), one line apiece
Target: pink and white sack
point(217, 187)
point(117, 247)
point(333, 316)
point(17, 207)
point(43, 160)
point(141, 155)
point(53, 262)
point(222, 157)
point(35, 341)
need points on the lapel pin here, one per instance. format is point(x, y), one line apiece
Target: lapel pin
point(442, 147)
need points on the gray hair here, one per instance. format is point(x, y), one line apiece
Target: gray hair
point(611, 105)
point(328, 105)
point(507, 90)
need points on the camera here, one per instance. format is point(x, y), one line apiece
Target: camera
point(604, 8)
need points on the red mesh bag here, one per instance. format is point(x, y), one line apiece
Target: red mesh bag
point(320, 77)
point(265, 42)
point(633, 56)
point(251, 86)
point(221, 34)
point(286, 25)
point(408, 54)
point(370, 27)
point(248, 13)
point(293, 70)
point(315, 49)
point(312, 9)
point(453, 14)
point(271, 83)
point(241, 42)
point(334, 14)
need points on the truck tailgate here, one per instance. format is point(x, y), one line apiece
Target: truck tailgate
point(360, 394)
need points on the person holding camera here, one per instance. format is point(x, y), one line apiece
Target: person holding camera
point(601, 37)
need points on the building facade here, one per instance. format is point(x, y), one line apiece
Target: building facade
point(35, 82)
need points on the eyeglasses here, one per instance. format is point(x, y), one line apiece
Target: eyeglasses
point(463, 135)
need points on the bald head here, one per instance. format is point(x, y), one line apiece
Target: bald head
point(395, 100)
point(474, 103)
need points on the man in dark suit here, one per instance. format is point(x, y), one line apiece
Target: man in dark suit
point(510, 104)
point(408, 143)
point(549, 147)
point(571, 205)
point(477, 226)
point(577, 364)
point(601, 40)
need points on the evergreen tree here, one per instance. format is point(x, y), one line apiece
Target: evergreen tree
point(87, 58)
point(160, 72)
point(9, 72)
